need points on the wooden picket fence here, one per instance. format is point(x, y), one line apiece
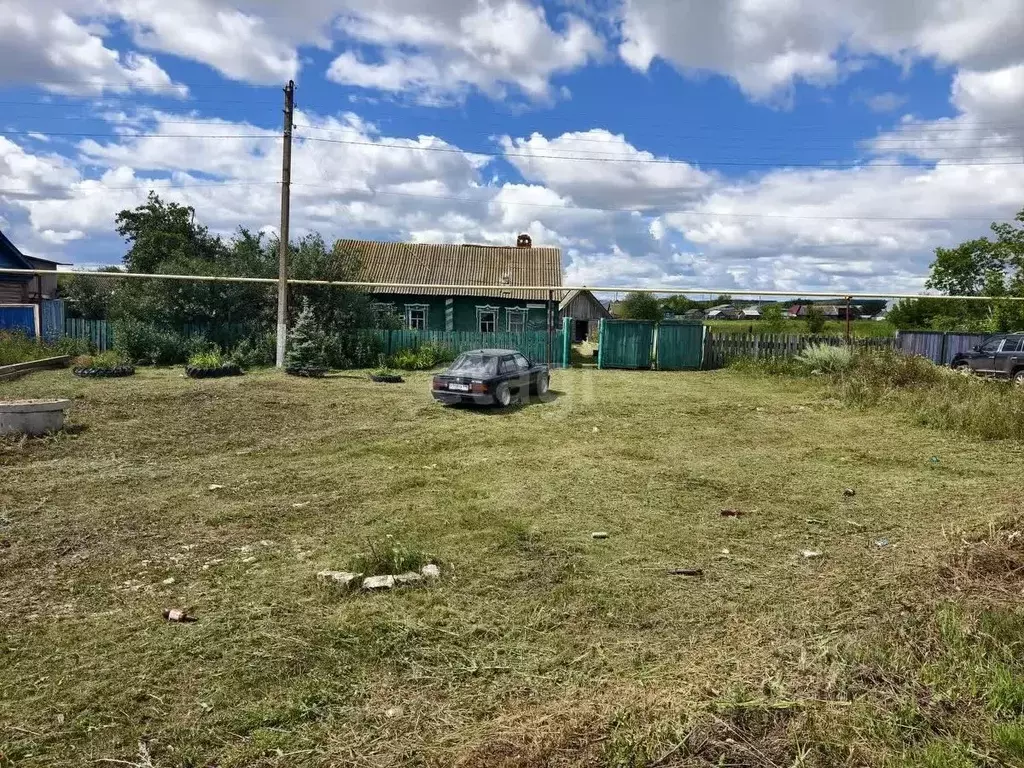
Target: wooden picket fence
point(722, 348)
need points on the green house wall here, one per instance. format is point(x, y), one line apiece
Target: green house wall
point(464, 311)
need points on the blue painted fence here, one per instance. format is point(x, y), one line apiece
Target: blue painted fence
point(18, 318)
point(937, 346)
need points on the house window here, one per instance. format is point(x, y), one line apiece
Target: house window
point(382, 310)
point(487, 319)
point(416, 316)
point(516, 320)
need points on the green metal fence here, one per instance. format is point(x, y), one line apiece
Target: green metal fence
point(679, 346)
point(625, 344)
point(98, 332)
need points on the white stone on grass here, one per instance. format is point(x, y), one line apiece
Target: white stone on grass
point(431, 571)
point(408, 578)
point(343, 579)
point(378, 582)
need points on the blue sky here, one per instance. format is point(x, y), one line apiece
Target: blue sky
point(761, 144)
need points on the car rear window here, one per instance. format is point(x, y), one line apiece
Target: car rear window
point(475, 365)
point(1013, 344)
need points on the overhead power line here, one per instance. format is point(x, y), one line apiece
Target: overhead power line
point(170, 185)
point(995, 160)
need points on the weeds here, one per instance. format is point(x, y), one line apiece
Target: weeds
point(427, 357)
point(825, 358)
point(19, 348)
point(388, 557)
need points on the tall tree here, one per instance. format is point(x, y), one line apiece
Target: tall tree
point(160, 232)
point(641, 306)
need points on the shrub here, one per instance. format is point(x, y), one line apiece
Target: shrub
point(815, 320)
point(406, 359)
point(429, 356)
point(256, 351)
point(353, 349)
point(826, 359)
point(143, 343)
point(206, 360)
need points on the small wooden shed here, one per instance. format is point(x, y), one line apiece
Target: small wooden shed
point(586, 312)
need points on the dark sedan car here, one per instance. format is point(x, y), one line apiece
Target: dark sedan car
point(490, 377)
point(1001, 356)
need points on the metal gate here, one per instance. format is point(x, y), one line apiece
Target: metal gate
point(625, 344)
point(680, 346)
point(21, 318)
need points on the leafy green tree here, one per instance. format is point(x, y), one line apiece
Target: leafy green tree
point(678, 305)
point(88, 297)
point(160, 232)
point(772, 319)
point(641, 306)
point(815, 319)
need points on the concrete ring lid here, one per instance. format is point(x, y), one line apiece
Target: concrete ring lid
point(33, 406)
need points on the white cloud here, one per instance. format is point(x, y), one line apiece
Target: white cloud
point(240, 46)
point(767, 45)
point(462, 45)
point(607, 172)
point(44, 45)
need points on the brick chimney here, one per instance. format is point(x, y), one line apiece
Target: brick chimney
point(524, 241)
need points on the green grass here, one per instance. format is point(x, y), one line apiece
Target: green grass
point(540, 645)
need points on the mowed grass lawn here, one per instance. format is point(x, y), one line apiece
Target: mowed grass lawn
point(539, 646)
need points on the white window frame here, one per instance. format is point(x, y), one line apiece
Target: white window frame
point(481, 311)
point(410, 308)
point(520, 312)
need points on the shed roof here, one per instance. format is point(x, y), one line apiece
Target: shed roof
point(456, 264)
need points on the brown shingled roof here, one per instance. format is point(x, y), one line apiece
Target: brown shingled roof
point(456, 264)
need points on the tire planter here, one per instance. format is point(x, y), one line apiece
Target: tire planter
point(309, 372)
point(117, 372)
point(220, 372)
point(387, 379)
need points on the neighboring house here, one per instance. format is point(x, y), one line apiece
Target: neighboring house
point(615, 308)
point(693, 314)
point(751, 313)
point(724, 312)
point(24, 289)
point(505, 309)
point(884, 314)
point(586, 312)
point(798, 311)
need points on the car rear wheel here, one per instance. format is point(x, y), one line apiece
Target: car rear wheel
point(503, 395)
point(963, 369)
point(1018, 378)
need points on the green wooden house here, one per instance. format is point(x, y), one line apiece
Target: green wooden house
point(509, 308)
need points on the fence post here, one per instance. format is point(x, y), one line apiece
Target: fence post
point(942, 349)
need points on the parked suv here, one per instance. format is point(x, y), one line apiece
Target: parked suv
point(1001, 356)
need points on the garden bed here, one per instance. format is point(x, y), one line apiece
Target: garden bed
point(307, 372)
point(216, 372)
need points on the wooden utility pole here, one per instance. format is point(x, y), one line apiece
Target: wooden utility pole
point(286, 205)
point(551, 324)
point(848, 308)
